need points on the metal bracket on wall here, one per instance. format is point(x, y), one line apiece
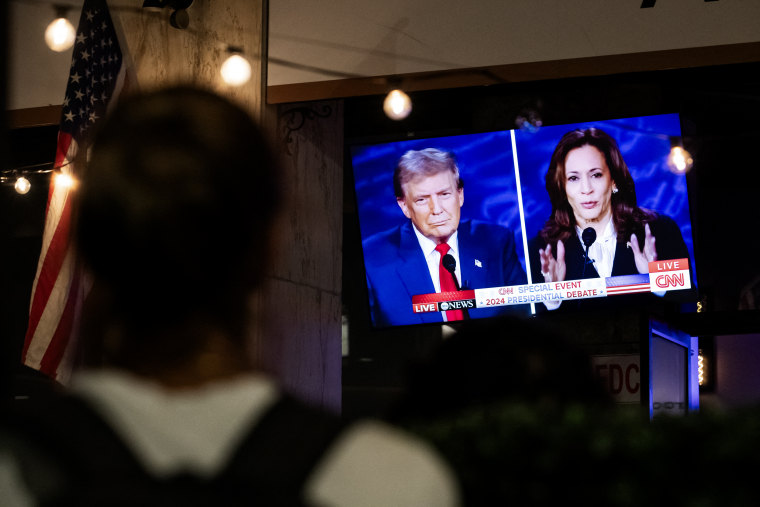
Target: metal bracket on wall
point(295, 118)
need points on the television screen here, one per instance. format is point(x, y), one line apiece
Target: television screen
point(470, 226)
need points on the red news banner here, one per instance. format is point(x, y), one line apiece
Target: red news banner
point(663, 276)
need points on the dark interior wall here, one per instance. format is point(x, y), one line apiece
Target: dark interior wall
point(4, 341)
point(736, 376)
point(22, 219)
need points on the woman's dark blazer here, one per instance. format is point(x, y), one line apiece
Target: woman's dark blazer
point(668, 242)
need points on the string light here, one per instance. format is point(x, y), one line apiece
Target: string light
point(701, 368)
point(679, 160)
point(64, 180)
point(236, 70)
point(22, 185)
point(60, 34)
point(397, 105)
point(18, 177)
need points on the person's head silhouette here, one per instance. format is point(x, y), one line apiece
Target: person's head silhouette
point(173, 221)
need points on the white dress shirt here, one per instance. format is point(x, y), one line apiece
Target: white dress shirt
point(602, 251)
point(433, 258)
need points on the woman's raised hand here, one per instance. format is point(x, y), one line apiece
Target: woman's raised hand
point(649, 252)
point(554, 270)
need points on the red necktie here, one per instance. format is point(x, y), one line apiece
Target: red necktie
point(447, 282)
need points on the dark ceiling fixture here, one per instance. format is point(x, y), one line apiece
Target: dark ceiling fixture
point(179, 17)
point(650, 3)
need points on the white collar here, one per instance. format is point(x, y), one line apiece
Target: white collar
point(428, 245)
point(170, 431)
point(608, 233)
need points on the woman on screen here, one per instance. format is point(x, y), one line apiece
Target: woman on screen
point(594, 208)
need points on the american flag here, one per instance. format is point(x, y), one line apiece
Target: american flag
point(96, 77)
point(627, 284)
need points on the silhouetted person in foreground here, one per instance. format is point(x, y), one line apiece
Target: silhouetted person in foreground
point(173, 221)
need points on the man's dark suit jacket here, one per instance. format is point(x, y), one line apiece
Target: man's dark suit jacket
point(396, 270)
point(668, 242)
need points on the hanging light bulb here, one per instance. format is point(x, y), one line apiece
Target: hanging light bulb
point(397, 105)
point(60, 34)
point(64, 180)
point(236, 70)
point(22, 185)
point(679, 160)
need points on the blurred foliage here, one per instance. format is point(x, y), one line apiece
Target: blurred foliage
point(512, 453)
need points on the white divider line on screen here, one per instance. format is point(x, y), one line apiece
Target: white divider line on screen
point(522, 213)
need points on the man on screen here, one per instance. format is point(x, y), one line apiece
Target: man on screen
point(408, 260)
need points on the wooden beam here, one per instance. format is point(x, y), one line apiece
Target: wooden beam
point(34, 117)
point(519, 72)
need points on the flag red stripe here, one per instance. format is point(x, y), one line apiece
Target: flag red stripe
point(95, 78)
point(38, 303)
point(643, 288)
point(60, 340)
point(51, 267)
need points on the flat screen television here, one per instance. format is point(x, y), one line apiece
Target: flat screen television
point(504, 206)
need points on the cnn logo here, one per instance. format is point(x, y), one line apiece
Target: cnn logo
point(666, 281)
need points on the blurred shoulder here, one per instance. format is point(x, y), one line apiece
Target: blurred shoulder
point(373, 463)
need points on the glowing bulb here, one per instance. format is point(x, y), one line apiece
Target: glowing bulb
point(701, 369)
point(397, 105)
point(679, 160)
point(60, 35)
point(65, 181)
point(22, 185)
point(236, 70)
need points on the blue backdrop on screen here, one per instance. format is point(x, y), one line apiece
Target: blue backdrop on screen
point(490, 190)
point(485, 165)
